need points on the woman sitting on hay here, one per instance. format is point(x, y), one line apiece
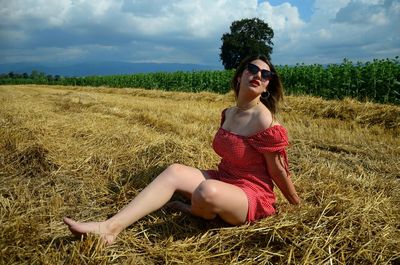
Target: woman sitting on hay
point(251, 144)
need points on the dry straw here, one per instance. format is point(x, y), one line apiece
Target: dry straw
point(85, 153)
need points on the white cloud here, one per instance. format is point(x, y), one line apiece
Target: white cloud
point(324, 34)
point(355, 29)
point(52, 13)
point(285, 21)
point(380, 18)
point(185, 19)
point(54, 55)
point(326, 9)
point(281, 18)
point(170, 25)
point(190, 31)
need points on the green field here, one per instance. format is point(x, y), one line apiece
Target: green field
point(376, 81)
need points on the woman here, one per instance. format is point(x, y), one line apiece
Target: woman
point(251, 144)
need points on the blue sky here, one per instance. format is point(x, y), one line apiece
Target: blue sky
point(183, 31)
point(305, 7)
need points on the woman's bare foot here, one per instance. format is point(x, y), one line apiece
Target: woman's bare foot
point(102, 229)
point(180, 206)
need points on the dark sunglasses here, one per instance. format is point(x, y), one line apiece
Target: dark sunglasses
point(265, 74)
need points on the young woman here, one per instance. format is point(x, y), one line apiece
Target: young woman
point(251, 144)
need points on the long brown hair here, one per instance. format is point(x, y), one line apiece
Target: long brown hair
point(275, 87)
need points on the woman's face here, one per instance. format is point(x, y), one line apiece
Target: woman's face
point(255, 78)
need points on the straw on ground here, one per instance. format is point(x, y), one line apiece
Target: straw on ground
point(85, 153)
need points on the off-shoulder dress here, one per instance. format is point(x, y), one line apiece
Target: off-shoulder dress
point(243, 165)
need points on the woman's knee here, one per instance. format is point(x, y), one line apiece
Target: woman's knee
point(206, 193)
point(175, 168)
point(181, 176)
point(203, 200)
point(172, 173)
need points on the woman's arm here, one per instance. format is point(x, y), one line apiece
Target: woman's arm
point(277, 171)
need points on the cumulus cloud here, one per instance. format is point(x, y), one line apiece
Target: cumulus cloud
point(190, 31)
point(364, 12)
point(360, 30)
point(156, 29)
point(285, 21)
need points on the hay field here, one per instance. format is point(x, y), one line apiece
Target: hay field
point(86, 152)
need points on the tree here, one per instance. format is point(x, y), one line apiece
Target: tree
point(247, 37)
point(50, 78)
point(34, 74)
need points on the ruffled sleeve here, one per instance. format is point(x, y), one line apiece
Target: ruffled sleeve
point(270, 140)
point(274, 139)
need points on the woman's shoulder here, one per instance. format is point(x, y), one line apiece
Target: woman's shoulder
point(265, 119)
point(227, 112)
point(224, 114)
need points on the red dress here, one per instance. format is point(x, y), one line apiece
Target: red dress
point(243, 165)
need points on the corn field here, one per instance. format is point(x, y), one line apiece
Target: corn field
point(377, 81)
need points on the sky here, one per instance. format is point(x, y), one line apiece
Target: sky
point(190, 31)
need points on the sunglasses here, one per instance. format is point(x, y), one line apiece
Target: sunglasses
point(265, 74)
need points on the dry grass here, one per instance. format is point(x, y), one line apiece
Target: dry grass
point(86, 152)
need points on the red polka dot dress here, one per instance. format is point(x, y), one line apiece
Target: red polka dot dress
point(243, 165)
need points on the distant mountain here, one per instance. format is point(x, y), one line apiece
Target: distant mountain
point(103, 68)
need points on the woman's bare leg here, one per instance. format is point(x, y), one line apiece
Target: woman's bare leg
point(213, 197)
point(154, 196)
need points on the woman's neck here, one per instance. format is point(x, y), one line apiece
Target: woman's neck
point(244, 105)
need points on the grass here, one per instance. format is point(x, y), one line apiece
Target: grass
point(85, 153)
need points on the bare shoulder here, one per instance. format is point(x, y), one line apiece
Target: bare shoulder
point(228, 111)
point(265, 119)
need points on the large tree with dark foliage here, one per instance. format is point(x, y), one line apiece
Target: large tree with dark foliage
point(247, 37)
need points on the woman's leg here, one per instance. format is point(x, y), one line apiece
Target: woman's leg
point(175, 178)
point(213, 197)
